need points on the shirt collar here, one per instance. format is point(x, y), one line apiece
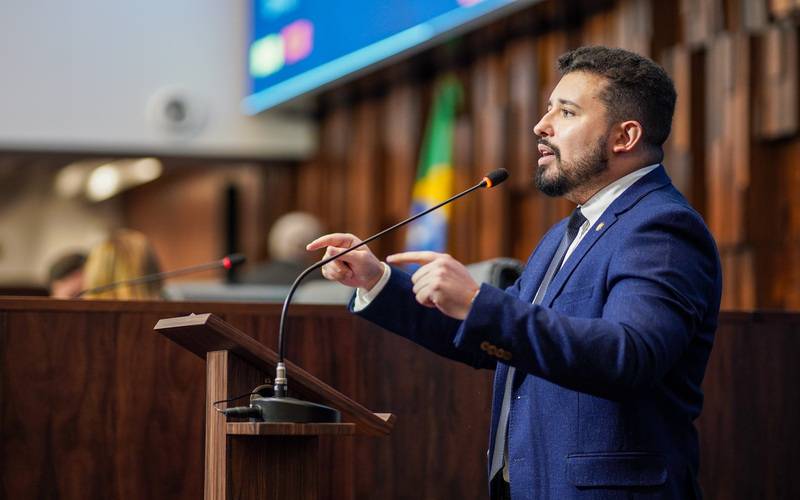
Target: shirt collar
point(598, 203)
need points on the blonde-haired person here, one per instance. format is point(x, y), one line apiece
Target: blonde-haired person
point(125, 255)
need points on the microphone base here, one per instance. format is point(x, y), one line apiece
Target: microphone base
point(283, 409)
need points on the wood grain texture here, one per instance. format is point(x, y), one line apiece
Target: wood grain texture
point(677, 150)
point(125, 410)
point(748, 429)
point(728, 162)
point(275, 468)
point(702, 20)
point(216, 459)
point(131, 403)
point(776, 107)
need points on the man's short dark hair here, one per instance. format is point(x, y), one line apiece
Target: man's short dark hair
point(66, 265)
point(638, 89)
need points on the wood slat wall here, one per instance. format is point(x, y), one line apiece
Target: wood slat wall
point(733, 149)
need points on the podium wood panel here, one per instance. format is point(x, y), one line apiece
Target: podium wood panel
point(125, 412)
point(95, 405)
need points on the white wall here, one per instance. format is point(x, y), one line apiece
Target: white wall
point(79, 75)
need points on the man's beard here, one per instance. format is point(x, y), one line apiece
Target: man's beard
point(570, 176)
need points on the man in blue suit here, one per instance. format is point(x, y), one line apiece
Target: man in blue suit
point(599, 349)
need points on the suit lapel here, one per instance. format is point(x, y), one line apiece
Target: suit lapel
point(541, 261)
point(650, 182)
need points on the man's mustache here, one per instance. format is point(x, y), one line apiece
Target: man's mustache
point(556, 151)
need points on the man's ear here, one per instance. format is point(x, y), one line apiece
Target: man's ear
point(627, 135)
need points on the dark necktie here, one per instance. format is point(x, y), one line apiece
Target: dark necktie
point(576, 220)
point(574, 224)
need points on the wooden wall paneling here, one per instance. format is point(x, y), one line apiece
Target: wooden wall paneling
point(463, 234)
point(599, 29)
point(666, 24)
point(739, 120)
point(778, 275)
point(753, 15)
point(526, 222)
point(314, 192)
point(310, 186)
point(277, 196)
point(364, 200)
point(250, 182)
point(776, 85)
point(701, 20)
point(698, 147)
point(337, 130)
point(634, 26)
point(747, 433)
point(551, 46)
point(253, 190)
point(738, 274)
point(775, 224)
point(782, 8)
point(677, 149)
point(728, 160)
point(523, 112)
point(401, 133)
point(161, 210)
point(746, 268)
point(489, 105)
point(790, 227)
point(183, 213)
point(718, 161)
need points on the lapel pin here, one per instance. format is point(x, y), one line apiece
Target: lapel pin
point(600, 227)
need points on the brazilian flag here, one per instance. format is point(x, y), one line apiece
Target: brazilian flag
point(434, 181)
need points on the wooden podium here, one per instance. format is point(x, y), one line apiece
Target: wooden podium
point(258, 460)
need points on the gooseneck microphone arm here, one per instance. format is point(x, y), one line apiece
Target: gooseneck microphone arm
point(492, 179)
point(226, 262)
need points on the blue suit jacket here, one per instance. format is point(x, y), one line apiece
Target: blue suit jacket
point(609, 366)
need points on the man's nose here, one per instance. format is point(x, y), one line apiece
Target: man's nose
point(543, 128)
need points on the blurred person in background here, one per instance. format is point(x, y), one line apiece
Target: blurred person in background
point(66, 276)
point(125, 255)
point(287, 249)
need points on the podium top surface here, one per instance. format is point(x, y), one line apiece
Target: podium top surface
point(204, 333)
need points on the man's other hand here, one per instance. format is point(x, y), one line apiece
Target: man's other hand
point(442, 282)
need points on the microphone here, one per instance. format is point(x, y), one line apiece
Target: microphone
point(280, 407)
point(227, 262)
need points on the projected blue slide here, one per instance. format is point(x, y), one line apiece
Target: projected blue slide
point(297, 46)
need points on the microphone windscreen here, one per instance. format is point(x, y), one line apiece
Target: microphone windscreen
point(233, 260)
point(495, 177)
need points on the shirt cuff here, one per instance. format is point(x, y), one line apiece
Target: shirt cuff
point(364, 296)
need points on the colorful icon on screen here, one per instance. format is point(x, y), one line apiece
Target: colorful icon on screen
point(271, 53)
point(266, 55)
point(271, 9)
point(298, 40)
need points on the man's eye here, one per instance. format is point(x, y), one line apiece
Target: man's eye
point(567, 113)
